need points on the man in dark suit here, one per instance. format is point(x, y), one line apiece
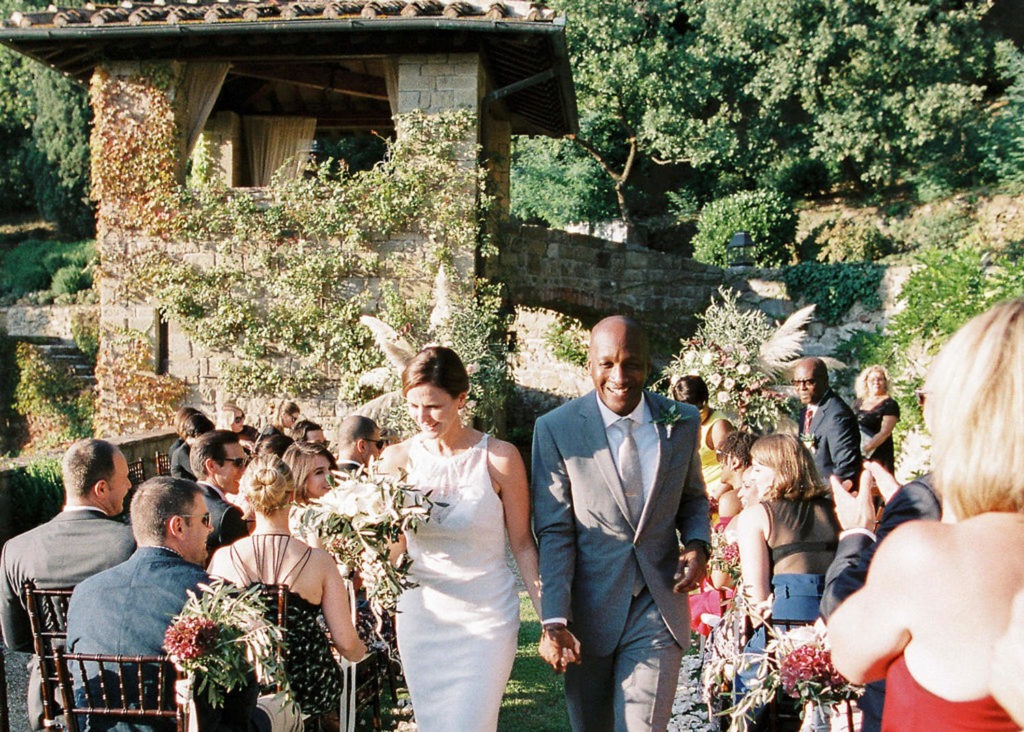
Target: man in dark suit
point(858, 542)
point(827, 424)
point(359, 442)
point(218, 461)
point(621, 518)
point(80, 541)
point(135, 601)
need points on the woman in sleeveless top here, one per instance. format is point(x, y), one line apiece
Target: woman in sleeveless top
point(938, 597)
point(788, 540)
point(714, 427)
point(271, 556)
point(457, 630)
point(877, 413)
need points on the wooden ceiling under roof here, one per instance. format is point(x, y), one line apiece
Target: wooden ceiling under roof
point(323, 58)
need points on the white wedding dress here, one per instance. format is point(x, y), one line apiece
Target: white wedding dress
point(457, 631)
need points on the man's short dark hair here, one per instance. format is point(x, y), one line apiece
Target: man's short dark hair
point(737, 444)
point(155, 501)
point(210, 446)
point(355, 427)
point(86, 463)
point(302, 428)
point(195, 425)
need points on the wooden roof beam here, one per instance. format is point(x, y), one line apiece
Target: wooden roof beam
point(341, 81)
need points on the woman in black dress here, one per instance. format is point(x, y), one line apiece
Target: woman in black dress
point(877, 413)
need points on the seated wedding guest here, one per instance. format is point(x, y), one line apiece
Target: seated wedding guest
point(938, 596)
point(179, 426)
point(275, 444)
point(127, 609)
point(271, 556)
point(192, 426)
point(78, 542)
point(714, 426)
point(231, 417)
point(218, 462)
point(877, 413)
point(858, 543)
point(359, 442)
point(1008, 664)
point(311, 464)
point(306, 430)
point(734, 458)
point(787, 541)
point(285, 416)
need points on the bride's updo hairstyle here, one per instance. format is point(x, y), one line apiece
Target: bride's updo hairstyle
point(974, 401)
point(437, 366)
point(267, 484)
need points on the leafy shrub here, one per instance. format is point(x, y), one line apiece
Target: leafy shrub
point(766, 215)
point(834, 288)
point(8, 379)
point(70, 279)
point(55, 404)
point(568, 340)
point(851, 240)
point(33, 265)
point(85, 330)
point(1004, 146)
point(37, 494)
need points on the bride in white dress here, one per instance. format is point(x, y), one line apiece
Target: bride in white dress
point(457, 630)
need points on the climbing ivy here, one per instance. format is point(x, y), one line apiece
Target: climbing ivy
point(834, 288)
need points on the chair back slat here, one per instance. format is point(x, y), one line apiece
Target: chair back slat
point(136, 472)
point(163, 463)
point(118, 686)
point(47, 618)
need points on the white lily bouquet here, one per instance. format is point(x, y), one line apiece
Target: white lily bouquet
point(359, 520)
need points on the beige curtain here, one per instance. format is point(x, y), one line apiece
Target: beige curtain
point(273, 141)
point(201, 84)
point(391, 83)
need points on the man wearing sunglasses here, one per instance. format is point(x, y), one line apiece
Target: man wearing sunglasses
point(827, 424)
point(218, 461)
point(359, 442)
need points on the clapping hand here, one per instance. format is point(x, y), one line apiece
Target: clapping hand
point(854, 511)
point(559, 647)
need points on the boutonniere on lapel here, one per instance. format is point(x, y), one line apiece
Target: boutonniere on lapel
point(669, 416)
point(810, 441)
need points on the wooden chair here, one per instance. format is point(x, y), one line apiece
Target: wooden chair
point(136, 472)
point(163, 463)
point(130, 688)
point(47, 618)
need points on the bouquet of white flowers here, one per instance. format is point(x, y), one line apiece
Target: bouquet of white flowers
point(359, 520)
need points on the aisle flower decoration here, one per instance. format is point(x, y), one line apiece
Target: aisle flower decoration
point(359, 520)
point(222, 637)
point(796, 664)
point(725, 555)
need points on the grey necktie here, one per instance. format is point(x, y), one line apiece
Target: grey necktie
point(629, 470)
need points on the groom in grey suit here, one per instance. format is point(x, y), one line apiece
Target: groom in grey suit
point(621, 518)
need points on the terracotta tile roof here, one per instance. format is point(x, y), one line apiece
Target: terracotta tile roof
point(260, 11)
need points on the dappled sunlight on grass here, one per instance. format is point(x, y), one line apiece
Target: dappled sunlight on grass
point(534, 698)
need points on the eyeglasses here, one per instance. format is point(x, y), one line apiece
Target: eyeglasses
point(381, 444)
point(239, 419)
point(237, 462)
point(921, 395)
point(802, 382)
point(203, 517)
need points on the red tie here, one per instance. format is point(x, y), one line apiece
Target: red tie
point(808, 416)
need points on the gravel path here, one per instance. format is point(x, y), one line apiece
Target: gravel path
point(16, 667)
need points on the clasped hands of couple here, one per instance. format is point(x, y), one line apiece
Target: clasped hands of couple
point(560, 648)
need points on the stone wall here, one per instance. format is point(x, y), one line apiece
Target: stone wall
point(53, 321)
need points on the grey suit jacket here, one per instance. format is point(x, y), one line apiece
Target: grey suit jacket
point(589, 549)
point(62, 552)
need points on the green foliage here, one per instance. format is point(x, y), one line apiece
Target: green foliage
point(8, 380)
point(851, 240)
point(568, 340)
point(37, 493)
point(834, 288)
point(766, 215)
point(35, 264)
point(1004, 147)
point(85, 330)
point(60, 162)
point(556, 182)
point(58, 408)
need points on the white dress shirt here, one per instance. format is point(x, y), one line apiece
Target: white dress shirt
point(645, 433)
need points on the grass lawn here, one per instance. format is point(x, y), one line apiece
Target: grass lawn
point(534, 698)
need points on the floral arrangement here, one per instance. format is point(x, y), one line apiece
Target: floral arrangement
point(725, 555)
point(221, 637)
point(734, 385)
point(359, 520)
point(797, 663)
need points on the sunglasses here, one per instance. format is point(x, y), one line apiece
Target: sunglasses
point(802, 382)
point(204, 518)
point(239, 420)
point(380, 444)
point(237, 462)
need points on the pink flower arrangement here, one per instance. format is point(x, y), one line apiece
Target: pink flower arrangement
point(191, 638)
point(809, 664)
